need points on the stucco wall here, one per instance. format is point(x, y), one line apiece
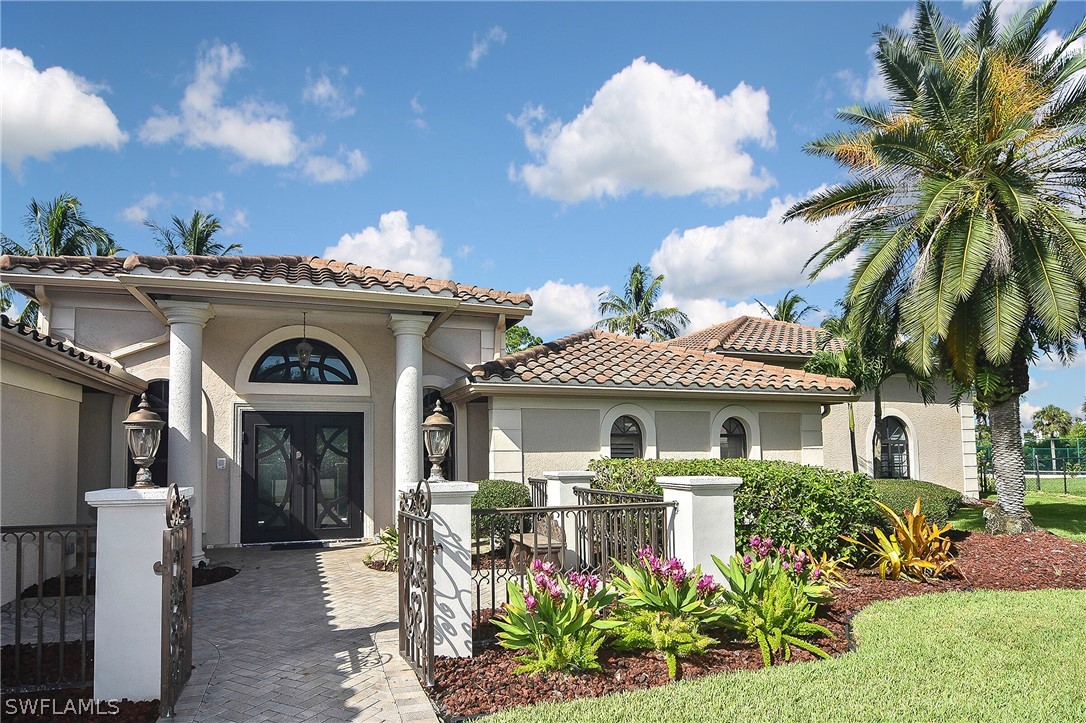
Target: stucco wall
point(525, 440)
point(477, 435)
point(39, 443)
point(96, 432)
point(781, 438)
point(942, 448)
point(682, 434)
point(108, 330)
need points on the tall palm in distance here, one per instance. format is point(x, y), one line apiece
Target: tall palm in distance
point(634, 313)
point(59, 227)
point(787, 308)
point(967, 206)
point(194, 237)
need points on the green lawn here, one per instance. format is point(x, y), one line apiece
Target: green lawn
point(1063, 515)
point(982, 656)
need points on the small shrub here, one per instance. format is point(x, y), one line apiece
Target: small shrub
point(663, 605)
point(749, 575)
point(779, 618)
point(810, 507)
point(495, 493)
point(673, 637)
point(940, 503)
point(388, 548)
point(914, 549)
point(556, 619)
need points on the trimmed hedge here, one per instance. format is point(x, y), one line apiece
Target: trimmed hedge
point(792, 503)
point(495, 493)
point(937, 502)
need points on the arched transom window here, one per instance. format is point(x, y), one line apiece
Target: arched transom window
point(280, 364)
point(626, 439)
point(733, 439)
point(895, 449)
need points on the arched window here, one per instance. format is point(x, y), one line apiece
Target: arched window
point(626, 439)
point(430, 397)
point(158, 396)
point(895, 449)
point(280, 365)
point(733, 439)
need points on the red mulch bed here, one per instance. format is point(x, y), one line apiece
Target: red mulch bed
point(381, 565)
point(65, 705)
point(486, 683)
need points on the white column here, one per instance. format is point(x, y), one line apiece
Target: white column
point(560, 494)
point(450, 508)
point(408, 329)
point(187, 463)
point(128, 593)
point(703, 523)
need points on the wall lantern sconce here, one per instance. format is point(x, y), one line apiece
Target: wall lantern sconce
point(437, 433)
point(143, 431)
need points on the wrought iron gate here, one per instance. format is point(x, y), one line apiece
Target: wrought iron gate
point(416, 570)
point(176, 571)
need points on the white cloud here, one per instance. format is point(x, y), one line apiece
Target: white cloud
point(1025, 413)
point(745, 255)
point(50, 111)
point(653, 130)
point(347, 165)
point(706, 312)
point(237, 221)
point(480, 45)
point(331, 92)
point(394, 244)
point(141, 209)
point(255, 131)
point(464, 251)
point(559, 308)
point(418, 109)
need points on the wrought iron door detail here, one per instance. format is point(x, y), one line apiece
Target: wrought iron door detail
point(416, 574)
point(176, 571)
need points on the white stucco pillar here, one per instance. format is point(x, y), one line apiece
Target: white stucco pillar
point(450, 508)
point(408, 329)
point(560, 494)
point(128, 592)
point(703, 523)
point(187, 463)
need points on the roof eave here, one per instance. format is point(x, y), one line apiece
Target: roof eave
point(21, 349)
point(466, 390)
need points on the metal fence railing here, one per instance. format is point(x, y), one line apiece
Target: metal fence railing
point(593, 496)
point(583, 538)
point(537, 487)
point(48, 623)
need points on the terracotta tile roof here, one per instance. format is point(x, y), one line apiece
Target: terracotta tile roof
point(57, 345)
point(597, 358)
point(756, 335)
point(290, 269)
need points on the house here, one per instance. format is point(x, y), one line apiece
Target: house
point(294, 388)
point(935, 443)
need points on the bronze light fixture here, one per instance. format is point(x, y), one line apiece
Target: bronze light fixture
point(143, 431)
point(436, 434)
point(304, 349)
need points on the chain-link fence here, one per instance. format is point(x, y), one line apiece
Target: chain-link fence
point(1052, 465)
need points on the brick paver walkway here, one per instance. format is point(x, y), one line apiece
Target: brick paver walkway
point(299, 635)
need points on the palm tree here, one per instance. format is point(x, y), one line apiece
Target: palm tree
point(786, 308)
point(57, 228)
point(1052, 421)
point(191, 238)
point(633, 313)
point(967, 207)
point(868, 358)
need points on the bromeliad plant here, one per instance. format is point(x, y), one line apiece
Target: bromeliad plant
point(914, 549)
point(556, 619)
point(750, 575)
point(664, 606)
point(387, 550)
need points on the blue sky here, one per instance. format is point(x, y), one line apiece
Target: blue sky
point(540, 147)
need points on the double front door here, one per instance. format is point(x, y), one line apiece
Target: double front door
point(301, 476)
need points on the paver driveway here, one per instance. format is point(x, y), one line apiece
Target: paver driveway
point(299, 635)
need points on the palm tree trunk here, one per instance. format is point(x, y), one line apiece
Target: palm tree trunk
point(1009, 514)
point(876, 443)
point(852, 437)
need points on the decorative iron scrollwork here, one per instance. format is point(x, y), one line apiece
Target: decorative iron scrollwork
point(417, 502)
point(177, 507)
